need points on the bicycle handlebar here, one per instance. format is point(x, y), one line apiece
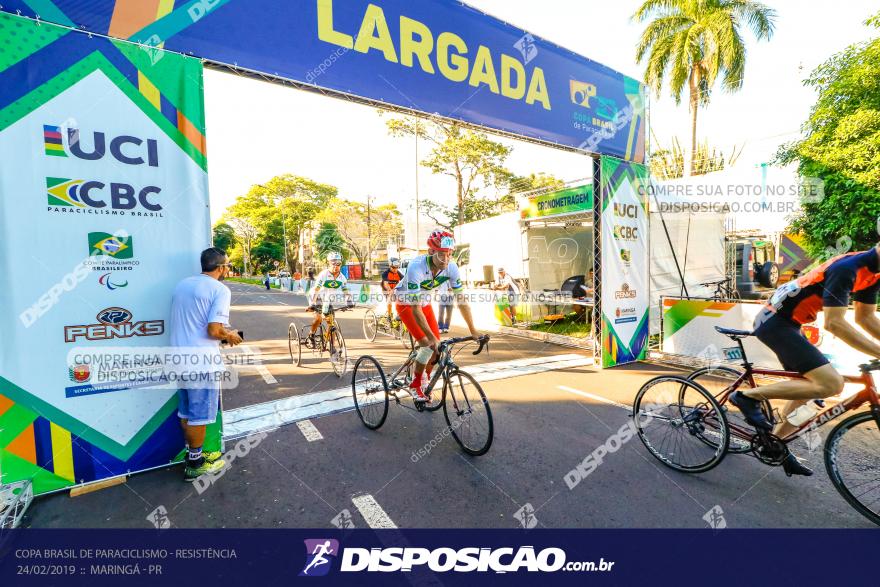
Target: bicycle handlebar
point(872, 365)
point(483, 340)
point(333, 308)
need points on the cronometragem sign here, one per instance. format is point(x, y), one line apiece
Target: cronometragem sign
point(431, 56)
point(103, 209)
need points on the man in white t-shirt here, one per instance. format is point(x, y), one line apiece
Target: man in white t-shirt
point(199, 319)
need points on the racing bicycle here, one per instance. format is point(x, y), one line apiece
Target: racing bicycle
point(386, 325)
point(464, 404)
point(723, 289)
point(686, 423)
point(328, 339)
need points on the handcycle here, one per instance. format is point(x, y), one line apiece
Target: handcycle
point(685, 423)
point(388, 326)
point(465, 406)
point(723, 289)
point(327, 339)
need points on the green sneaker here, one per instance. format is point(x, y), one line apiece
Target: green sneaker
point(212, 455)
point(190, 474)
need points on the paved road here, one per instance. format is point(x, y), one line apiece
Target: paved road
point(545, 425)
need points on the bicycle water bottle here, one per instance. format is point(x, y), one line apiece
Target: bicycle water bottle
point(803, 414)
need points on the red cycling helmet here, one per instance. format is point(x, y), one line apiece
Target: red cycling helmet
point(441, 240)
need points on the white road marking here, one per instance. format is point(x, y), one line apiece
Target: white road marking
point(372, 512)
point(309, 431)
point(273, 414)
point(257, 365)
point(593, 396)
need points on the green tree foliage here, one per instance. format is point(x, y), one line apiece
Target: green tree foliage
point(668, 162)
point(475, 162)
point(842, 149)
point(694, 42)
point(283, 206)
point(328, 239)
point(470, 158)
point(364, 230)
point(224, 236)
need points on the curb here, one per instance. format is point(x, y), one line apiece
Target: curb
point(559, 339)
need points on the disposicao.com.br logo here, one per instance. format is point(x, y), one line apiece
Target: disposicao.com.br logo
point(442, 560)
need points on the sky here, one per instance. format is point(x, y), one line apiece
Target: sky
point(257, 130)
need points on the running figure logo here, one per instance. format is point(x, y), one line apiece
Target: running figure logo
point(319, 554)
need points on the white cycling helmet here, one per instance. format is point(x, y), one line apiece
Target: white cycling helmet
point(395, 262)
point(334, 256)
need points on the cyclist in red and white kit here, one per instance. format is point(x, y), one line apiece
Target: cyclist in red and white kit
point(413, 302)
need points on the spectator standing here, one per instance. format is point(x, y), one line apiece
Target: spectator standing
point(199, 320)
point(444, 316)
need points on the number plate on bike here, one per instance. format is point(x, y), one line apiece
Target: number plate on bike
point(732, 353)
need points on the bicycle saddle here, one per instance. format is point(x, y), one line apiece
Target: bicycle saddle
point(733, 333)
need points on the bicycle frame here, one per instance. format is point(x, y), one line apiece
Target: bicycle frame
point(443, 362)
point(867, 394)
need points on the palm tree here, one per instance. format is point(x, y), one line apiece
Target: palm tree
point(693, 42)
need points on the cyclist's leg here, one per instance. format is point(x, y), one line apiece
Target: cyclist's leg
point(405, 312)
point(316, 322)
point(795, 353)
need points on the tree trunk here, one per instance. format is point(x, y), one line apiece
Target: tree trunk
point(693, 84)
point(460, 181)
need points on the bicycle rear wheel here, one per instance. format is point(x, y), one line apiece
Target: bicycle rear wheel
point(671, 414)
point(853, 463)
point(467, 413)
point(338, 352)
point(371, 325)
point(369, 388)
point(405, 337)
point(717, 380)
point(293, 344)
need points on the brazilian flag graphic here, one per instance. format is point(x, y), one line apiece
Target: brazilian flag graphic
point(118, 247)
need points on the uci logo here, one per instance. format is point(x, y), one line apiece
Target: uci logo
point(626, 210)
point(124, 148)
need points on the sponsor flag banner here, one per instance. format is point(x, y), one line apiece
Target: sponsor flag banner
point(440, 57)
point(103, 209)
point(624, 261)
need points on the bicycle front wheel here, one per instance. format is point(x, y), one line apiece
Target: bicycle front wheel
point(853, 463)
point(293, 344)
point(672, 415)
point(338, 352)
point(369, 388)
point(371, 325)
point(467, 413)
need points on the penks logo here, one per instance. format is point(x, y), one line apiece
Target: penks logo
point(95, 197)
point(112, 245)
point(114, 322)
point(320, 553)
point(79, 373)
point(123, 148)
point(52, 141)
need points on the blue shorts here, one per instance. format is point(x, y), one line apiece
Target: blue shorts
point(198, 406)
